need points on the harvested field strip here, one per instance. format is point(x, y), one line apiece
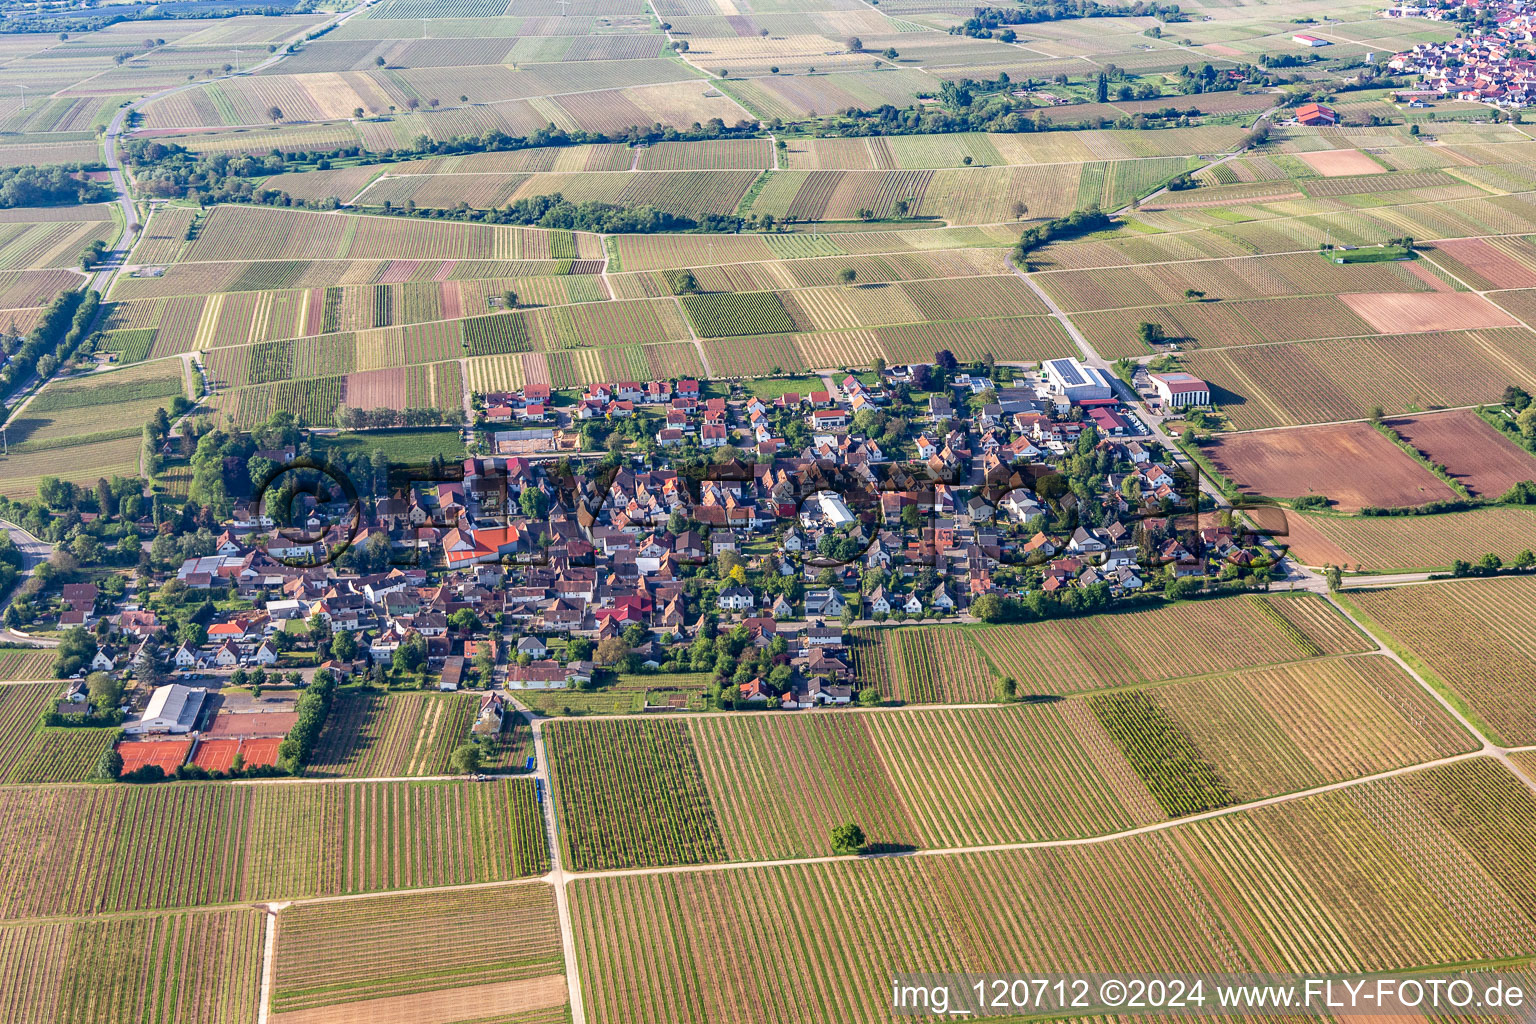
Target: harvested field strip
point(1351, 464)
point(1436, 311)
point(1294, 384)
point(1069, 655)
point(1377, 543)
point(1481, 458)
point(331, 953)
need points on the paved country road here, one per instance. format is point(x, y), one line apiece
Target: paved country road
point(102, 279)
point(34, 552)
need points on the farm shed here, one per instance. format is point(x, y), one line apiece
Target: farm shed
point(172, 708)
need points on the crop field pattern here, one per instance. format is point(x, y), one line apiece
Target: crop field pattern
point(1477, 637)
point(198, 967)
point(1224, 784)
point(1282, 887)
point(257, 842)
point(1071, 655)
point(332, 954)
point(373, 736)
point(631, 793)
point(929, 665)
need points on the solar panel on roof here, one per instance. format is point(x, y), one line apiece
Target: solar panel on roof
point(1069, 372)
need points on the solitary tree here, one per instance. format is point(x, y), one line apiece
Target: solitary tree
point(465, 759)
point(111, 764)
point(855, 44)
point(1335, 577)
point(509, 299)
point(847, 276)
point(379, 61)
point(357, 112)
point(848, 840)
point(1007, 689)
point(275, 113)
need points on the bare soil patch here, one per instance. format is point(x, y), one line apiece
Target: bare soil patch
point(1416, 312)
point(1485, 461)
point(1340, 163)
point(1310, 547)
point(1489, 267)
point(1350, 463)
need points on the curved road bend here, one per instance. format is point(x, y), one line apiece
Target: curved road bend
point(103, 278)
point(34, 552)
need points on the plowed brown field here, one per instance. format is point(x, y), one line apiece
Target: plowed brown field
point(1338, 163)
point(1412, 312)
point(1481, 264)
point(1348, 462)
point(1485, 461)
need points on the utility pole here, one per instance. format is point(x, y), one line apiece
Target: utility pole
point(563, 5)
point(237, 61)
point(23, 96)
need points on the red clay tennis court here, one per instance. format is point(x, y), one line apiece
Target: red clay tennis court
point(218, 755)
point(168, 754)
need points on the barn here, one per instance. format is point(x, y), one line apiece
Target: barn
point(1180, 389)
point(1316, 114)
